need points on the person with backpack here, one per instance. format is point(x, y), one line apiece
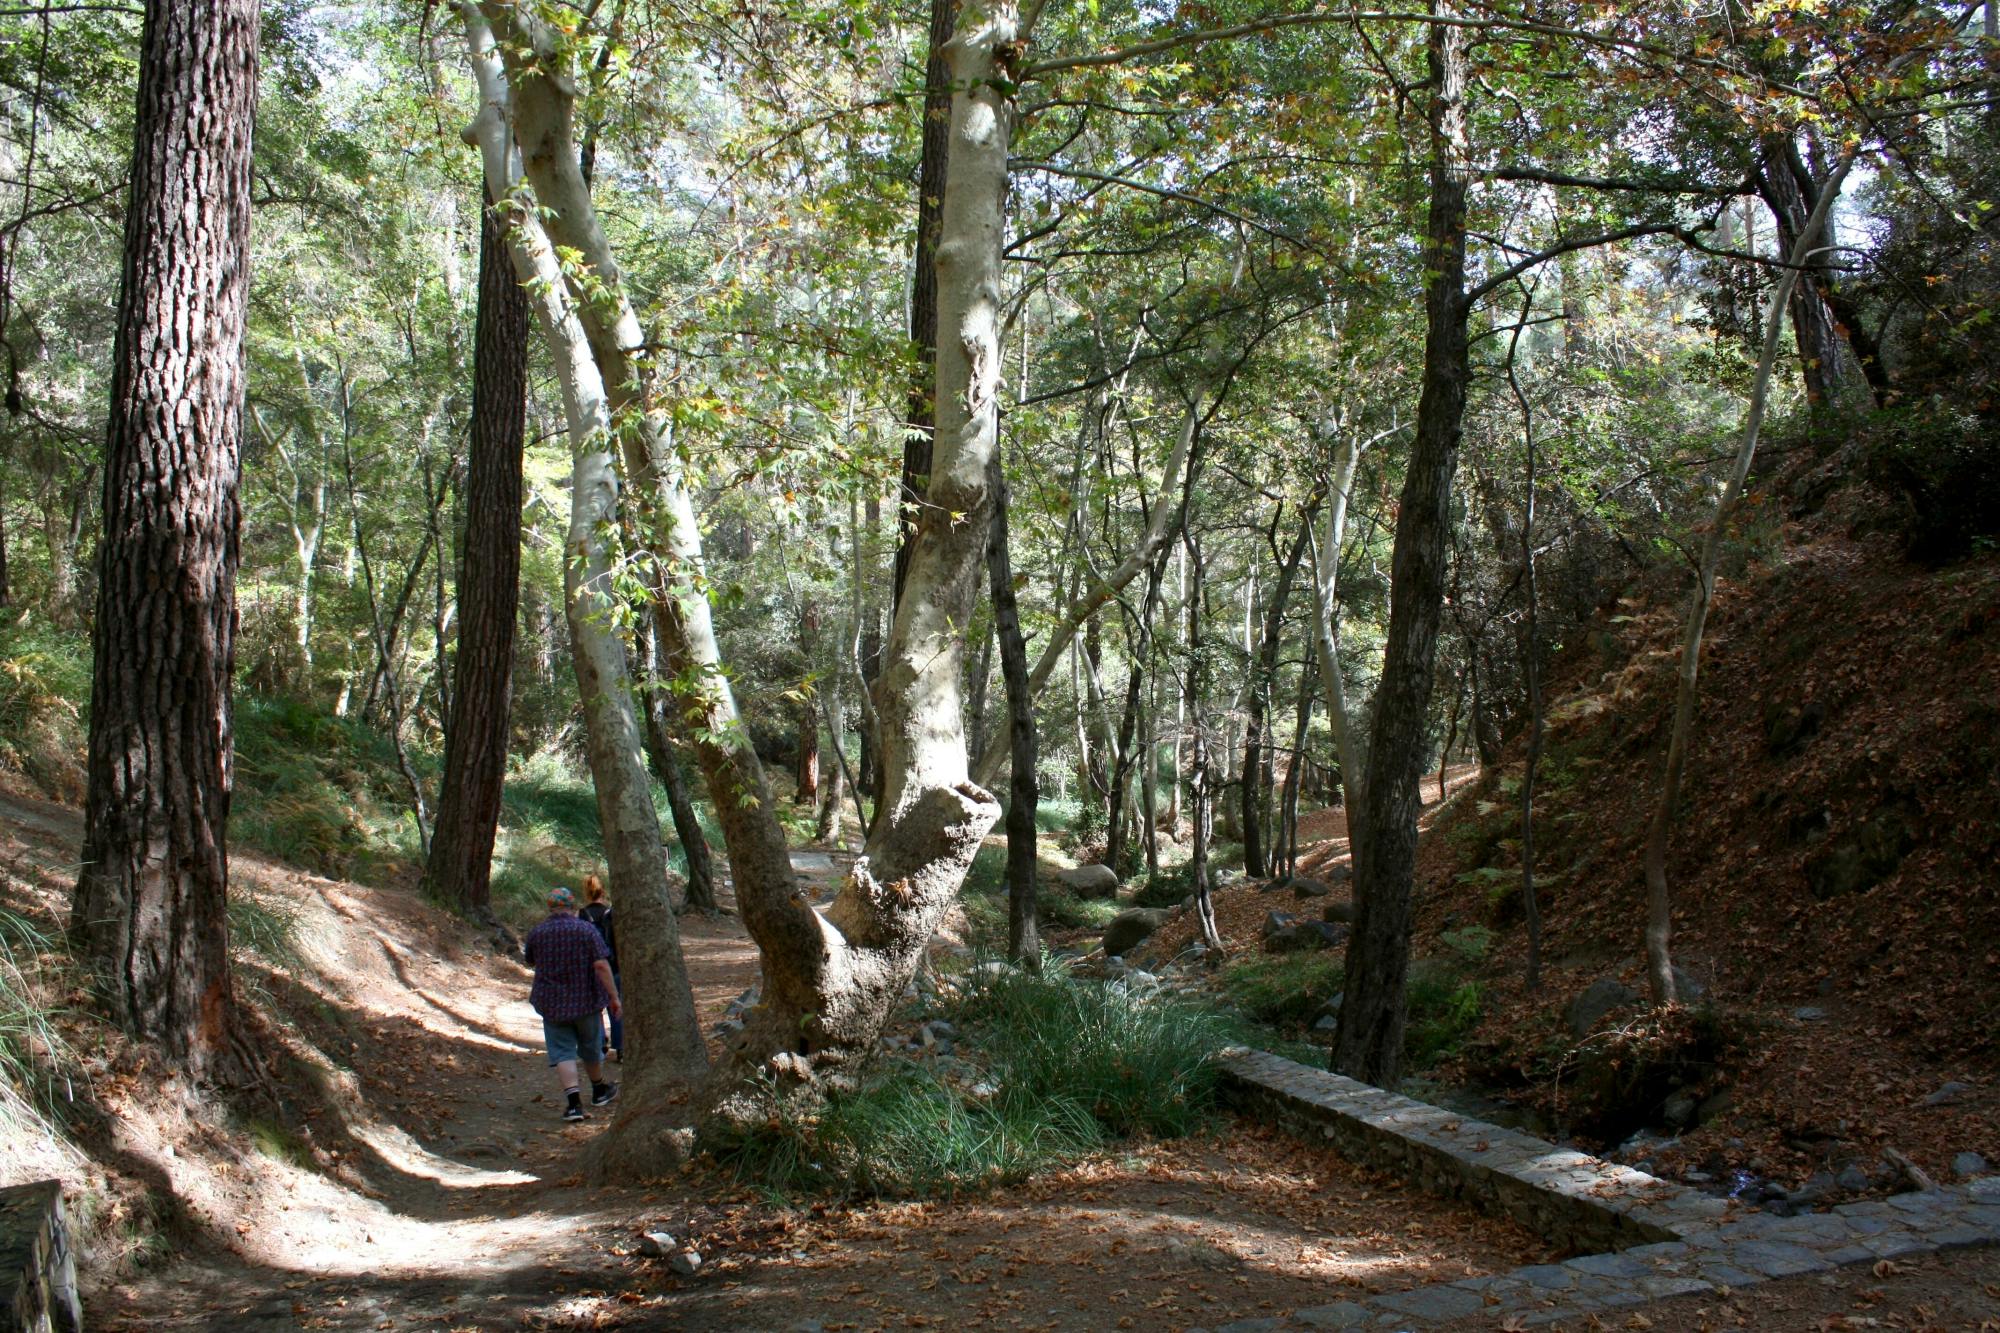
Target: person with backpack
point(597, 911)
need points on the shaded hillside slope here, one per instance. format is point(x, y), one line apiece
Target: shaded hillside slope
point(1835, 865)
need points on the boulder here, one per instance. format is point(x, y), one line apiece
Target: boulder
point(1967, 1165)
point(1131, 927)
point(1092, 881)
point(1338, 912)
point(1304, 886)
point(1868, 854)
point(1948, 1093)
point(1678, 1110)
point(1598, 999)
point(1303, 937)
point(1853, 1178)
point(656, 1244)
point(684, 1263)
point(1275, 922)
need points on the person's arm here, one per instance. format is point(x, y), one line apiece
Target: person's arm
point(603, 969)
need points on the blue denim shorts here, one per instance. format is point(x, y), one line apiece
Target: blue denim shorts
point(574, 1039)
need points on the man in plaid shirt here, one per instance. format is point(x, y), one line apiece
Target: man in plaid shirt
point(572, 967)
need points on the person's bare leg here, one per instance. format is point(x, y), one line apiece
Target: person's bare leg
point(566, 1075)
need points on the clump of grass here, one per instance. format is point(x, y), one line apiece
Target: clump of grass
point(1070, 1065)
point(267, 927)
point(1060, 908)
point(1284, 990)
point(1140, 1064)
point(1443, 1007)
point(33, 1053)
point(278, 1143)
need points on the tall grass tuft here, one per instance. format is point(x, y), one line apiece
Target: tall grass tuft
point(1140, 1064)
point(33, 1054)
point(1069, 1064)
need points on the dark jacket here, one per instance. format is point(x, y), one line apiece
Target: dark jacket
point(599, 915)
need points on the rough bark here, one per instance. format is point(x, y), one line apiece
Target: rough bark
point(460, 869)
point(664, 1034)
point(805, 773)
point(1830, 366)
point(1024, 943)
point(150, 911)
point(1369, 1042)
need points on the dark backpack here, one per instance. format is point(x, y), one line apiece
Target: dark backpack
point(599, 915)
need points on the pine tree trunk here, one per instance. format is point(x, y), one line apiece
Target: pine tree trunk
point(663, 1033)
point(1369, 1042)
point(460, 870)
point(151, 912)
point(805, 773)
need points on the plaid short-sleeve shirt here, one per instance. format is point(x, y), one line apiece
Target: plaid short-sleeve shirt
point(564, 950)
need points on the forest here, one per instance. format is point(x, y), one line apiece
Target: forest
point(1315, 661)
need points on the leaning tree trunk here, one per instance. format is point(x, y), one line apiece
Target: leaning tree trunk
point(150, 911)
point(830, 978)
point(1827, 362)
point(1369, 1042)
point(460, 869)
point(1659, 830)
point(1024, 943)
point(664, 1034)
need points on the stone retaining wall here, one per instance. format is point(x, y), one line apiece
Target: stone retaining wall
point(1574, 1201)
point(1659, 1240)
point(37, 1271)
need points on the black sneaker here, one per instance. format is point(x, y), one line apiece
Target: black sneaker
point(574, 1112)
point(601, 1093)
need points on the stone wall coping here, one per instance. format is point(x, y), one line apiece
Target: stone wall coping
point(1652, 1239)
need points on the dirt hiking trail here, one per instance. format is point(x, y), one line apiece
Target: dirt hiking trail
point(434, 1187)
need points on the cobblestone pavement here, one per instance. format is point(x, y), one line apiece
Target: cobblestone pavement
point(1656, 1239)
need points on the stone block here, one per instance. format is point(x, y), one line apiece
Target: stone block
point(1341, 1314)
point(1894, 1245)
point(1433, 1303)
point(1777, 1259)
point(37, 1268)
point(1719, 1274)
point(1547, 1277)
point(1609, 1265)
